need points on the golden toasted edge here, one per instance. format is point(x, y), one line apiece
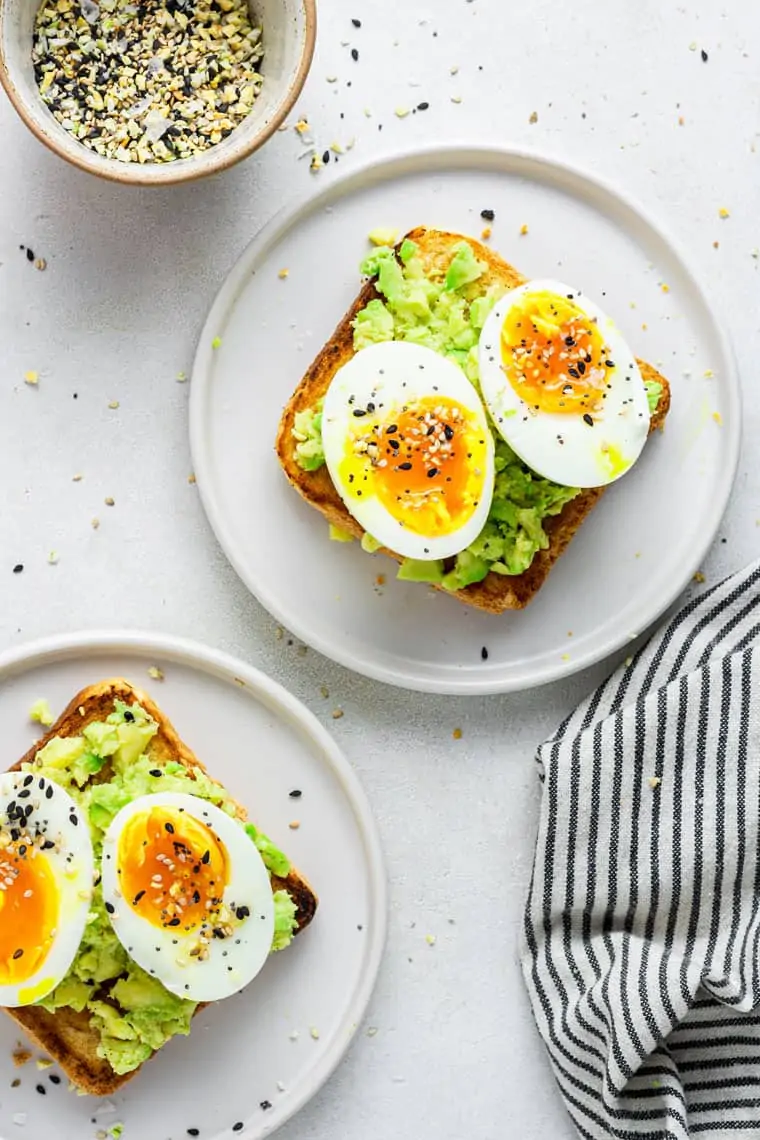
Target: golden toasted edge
point(496, 593)
point(66, 1036)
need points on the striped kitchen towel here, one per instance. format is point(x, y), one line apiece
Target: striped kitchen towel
point(640, 949)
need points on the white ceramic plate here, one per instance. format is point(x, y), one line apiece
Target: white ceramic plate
point(630, 560)
point(256, 1048)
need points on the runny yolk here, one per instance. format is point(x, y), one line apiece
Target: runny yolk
point(426, 465)
point(173, 869)
point(554, 355)
point(28, 911)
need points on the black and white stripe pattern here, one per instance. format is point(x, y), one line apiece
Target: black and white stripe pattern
point(640, 948)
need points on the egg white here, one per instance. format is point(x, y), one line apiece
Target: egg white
point(389, 375)
point(54, 818)
point(560, 447)
point(232, 962)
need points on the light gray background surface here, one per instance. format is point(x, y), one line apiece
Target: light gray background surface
point(114, 317)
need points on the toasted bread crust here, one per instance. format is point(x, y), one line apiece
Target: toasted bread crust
point(496, 593)
point(66, 1035)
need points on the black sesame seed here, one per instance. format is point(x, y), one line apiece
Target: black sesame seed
point(705, 58)
point(110, 908)
point(18, 954)
point(18, 568)
point(49, 792)
point(359, 412)
point(74, 820)
point(588, 420)
point(30, 255)
point(326, 156)
point(432, 473)
point(173, 922)
point(27, 781)
point(422, 106)
point(484, 653)
point(356, 23)
point(138, 896)
point(354, 54)
point(54, 1079)
point(391, 429)
point(169, 827)
point(41, 1090)
point(155, 772)
point(609, 363)
point(205, 857)
point(265, 1104)
point(193, 1131)
point(405, 467)
point(129, 716)
point(487, 215)
point(295, 794)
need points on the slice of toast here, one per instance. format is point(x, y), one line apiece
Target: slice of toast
point(67, 1035)
point(497, 592)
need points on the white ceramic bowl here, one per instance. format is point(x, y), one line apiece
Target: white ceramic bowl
point(289, 31)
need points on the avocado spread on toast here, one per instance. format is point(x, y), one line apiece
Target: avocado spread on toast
point(446, 314)
point(103, 769)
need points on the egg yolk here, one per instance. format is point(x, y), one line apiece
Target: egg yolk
point(28, 911)
point(173, 869)
point(554, 355)
point(426, 466)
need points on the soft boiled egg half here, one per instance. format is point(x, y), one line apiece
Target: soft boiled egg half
point(562, 386)
point(188, 895)
point(408, 449)
point(46, 880)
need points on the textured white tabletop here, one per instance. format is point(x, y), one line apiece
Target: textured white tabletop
point(619, 87)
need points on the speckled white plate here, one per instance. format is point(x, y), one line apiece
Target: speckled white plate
point(256, 1049)
point(632, 557)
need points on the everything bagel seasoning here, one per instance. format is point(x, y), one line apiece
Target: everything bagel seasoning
point(147, 80)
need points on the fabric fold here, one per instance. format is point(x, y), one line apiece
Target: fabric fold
point(640, 940)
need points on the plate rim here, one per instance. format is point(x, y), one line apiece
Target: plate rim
point(398, 163)
point(225, 666)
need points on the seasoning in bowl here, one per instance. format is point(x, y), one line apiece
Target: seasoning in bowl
point(147, 80)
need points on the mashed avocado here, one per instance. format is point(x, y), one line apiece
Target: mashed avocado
point(132, 1011)
point(446, 312)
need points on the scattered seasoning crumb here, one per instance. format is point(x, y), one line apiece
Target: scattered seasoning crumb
point(565, 656)
point(110, 501)
point(523, 230)
point(723, 213)
point(456, 98)
point(43, 1063)
point(316, 162)
point(716, 245)
point(324, 691)
point(19, 569)
point(21, 1056)
point(301, 127)
point(533, 117)
point(283, 274)
point(401, 112)
point(718, 418)
point(15, 1083)
point(216, 342)
point(331, 78)
point(302, 650)
point(457, 734)
point(155, 673)
point(53, 557)
point(76, 478)
point(294, 824)
point(699, 576)
point(281, 1086)
point(40, 264)
point(337, 714)
point(95, 523)
point(19, 1118)
point(32, 379)
point(372, 1031)
point(191, 478)
point(708, 373)
point(294, 1035)
point(654, 781)
point(380, 580)
point(314, 1033)
point(181, 377)
point(681, 121)
point(114, 404)
point(486, 232)
point(665, 288)
point(430, 939)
